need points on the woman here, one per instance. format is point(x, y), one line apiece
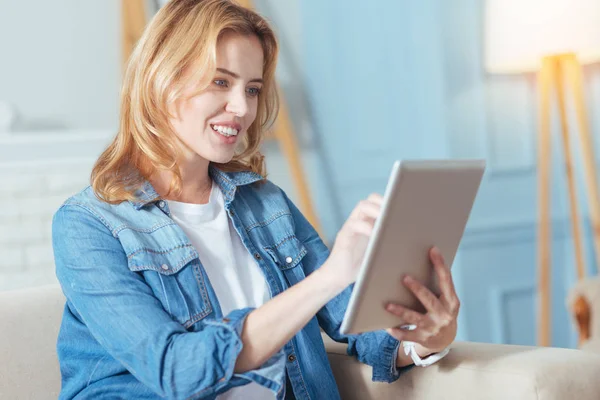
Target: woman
point(188, 274)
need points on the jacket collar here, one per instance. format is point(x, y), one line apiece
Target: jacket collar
point(228, 182)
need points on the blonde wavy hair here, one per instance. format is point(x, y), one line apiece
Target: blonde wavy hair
point(182, 34)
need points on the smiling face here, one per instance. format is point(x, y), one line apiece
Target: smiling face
point(213, 122)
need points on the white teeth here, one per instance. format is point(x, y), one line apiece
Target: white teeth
point(225, 130)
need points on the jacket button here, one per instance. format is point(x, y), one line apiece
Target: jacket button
point(165, 267)
point(226, 319)
point(257, 256)
point(161, 204)
point(292, 358)
point(289, 260)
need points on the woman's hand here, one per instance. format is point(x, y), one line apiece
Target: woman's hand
point(436, 329)
point(351, 242)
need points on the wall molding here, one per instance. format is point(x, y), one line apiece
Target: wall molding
point(39, 148)
point(502, 233)
point(498, 298)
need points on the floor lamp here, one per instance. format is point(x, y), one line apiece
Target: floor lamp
point(133, 15)
point(553, 38)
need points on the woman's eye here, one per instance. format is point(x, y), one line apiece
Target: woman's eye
point(220, 82)
point(253, 91)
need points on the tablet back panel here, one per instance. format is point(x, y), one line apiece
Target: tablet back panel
point(427, 203)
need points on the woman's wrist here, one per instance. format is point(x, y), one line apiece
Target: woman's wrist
point(407, 349)
point(423, 351)
point(331, 278)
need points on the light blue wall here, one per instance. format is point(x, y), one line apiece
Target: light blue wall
point(377, 92)
point(404, 79)
point(60, 63)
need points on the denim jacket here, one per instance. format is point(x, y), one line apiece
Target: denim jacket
point(142, 319)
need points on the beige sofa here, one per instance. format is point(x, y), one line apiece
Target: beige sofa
point(29, 368)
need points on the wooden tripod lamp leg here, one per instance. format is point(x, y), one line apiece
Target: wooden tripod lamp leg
point(570, 168)
point(544, 229)
point(575, 82)
point(285, 135)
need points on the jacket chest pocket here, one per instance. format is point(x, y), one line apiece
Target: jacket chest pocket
point(177, 280)
point(287, 254)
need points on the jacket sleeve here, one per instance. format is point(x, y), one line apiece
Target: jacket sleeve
point(123, 315)
point(378, 348)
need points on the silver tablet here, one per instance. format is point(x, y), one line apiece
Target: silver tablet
point(426, 203)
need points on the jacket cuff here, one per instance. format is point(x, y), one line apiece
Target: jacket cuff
point(271, 374)
point(386, 370)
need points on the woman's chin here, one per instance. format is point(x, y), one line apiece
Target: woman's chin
point(221, 158)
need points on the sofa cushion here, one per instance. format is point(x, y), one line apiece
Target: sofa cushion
point(30, 322)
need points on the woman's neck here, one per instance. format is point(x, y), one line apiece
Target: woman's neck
point(196, 186)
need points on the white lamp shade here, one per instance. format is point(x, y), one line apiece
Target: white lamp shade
point(519, 33)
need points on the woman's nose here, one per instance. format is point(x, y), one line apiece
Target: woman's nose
point(237, 103)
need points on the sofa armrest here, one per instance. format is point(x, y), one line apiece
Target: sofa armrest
point(477, 371)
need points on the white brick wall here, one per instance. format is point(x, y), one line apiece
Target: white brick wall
point(26, 215)
point(32, 188)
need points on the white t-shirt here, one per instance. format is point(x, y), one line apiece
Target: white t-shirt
point(233, 273)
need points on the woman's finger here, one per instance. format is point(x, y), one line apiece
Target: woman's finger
point(447, 287)
point(376, 198)
point(415, 335)
point(407, 315)
point(367, 210)
point(431, 303)
point(362, 227)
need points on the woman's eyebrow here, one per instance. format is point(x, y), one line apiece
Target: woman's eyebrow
point(236, 76)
